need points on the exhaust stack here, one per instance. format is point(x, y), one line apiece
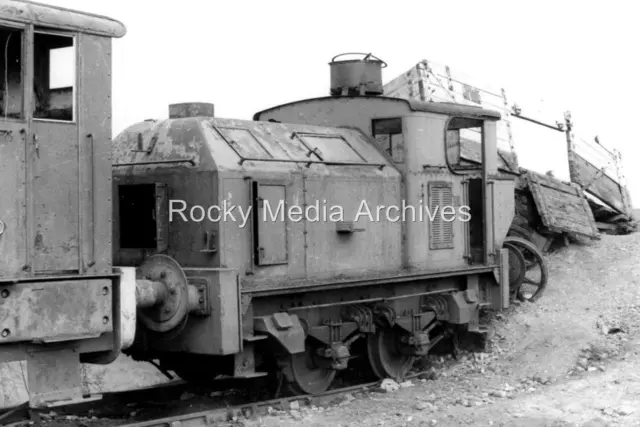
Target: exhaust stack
point(191, 109)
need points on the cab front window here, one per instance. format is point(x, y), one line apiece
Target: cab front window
point(11, 74)
point(54, 72)
point(463, 144)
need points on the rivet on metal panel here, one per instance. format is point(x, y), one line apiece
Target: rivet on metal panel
point(5, 293)
point(105, 319)
point(6, 333)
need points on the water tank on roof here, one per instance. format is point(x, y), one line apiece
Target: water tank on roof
point(356, 77)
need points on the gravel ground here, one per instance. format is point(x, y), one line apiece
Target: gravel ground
point(571, 359)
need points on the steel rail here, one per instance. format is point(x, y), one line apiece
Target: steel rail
point(220, 415)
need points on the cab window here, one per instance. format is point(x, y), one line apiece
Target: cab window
point(463, 144)
point(54, 74)
point(11, 74)
point(388, 135)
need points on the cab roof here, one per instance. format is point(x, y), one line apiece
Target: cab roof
point(29, 12)
point(445, 108)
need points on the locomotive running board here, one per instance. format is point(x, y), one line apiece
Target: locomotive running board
point(255, 288)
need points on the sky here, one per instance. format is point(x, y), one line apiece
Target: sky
point(245, 56)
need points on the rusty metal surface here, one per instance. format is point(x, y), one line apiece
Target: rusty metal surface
point(191, 109)
point(224, 152)
point(66, 196)
point(362, 76)
point(56, 215)
point(60, 18)
point(53, 375)
point(562, 207)
point(55, 311)
point(13, 249)
point(223, 326)
point(423, 163)
point(94, 136)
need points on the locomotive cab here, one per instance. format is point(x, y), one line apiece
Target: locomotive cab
point(424, 141)
point(60, 295)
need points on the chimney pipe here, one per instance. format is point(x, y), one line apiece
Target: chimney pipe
point(191, 109)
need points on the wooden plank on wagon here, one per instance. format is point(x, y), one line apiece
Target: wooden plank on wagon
point(563, 208)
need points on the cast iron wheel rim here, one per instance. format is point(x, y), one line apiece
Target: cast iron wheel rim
point(308, 378)
point(533, 258)
point(517, 268)
point(386, 356)
point(372, 356)
point(519, 231)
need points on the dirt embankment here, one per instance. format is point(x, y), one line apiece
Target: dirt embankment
point(571, 359)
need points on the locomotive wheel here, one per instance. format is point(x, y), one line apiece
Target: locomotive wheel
point(531, 288)
point(385, 357)
point(304, 373)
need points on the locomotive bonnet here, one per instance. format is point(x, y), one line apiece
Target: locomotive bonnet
point(326, 233)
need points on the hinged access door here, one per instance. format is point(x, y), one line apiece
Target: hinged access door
point(56, 183)
point(270, 224)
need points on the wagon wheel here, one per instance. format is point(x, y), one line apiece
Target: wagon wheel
point(519, 231)
point(306, 373)
point(517, 268)
point(536, 269)
point(385, 357)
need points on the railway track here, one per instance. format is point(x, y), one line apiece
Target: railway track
point(164, 406)
point(219, 415)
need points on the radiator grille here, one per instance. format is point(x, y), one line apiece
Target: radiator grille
point(441, 231)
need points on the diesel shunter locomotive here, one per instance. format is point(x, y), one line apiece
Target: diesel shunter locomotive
point(266, 288)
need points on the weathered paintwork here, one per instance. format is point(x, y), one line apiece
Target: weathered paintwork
point(274, 278)
point(424, 127)
point(293, 249)
point(563, 208)
point(45, 309)
point(429, 81)
point(60, 18)
point(61, 297)
point(601, 185)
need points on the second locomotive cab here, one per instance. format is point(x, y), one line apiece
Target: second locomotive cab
point(325, 233)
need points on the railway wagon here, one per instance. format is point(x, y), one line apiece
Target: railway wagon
point(326, 233)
